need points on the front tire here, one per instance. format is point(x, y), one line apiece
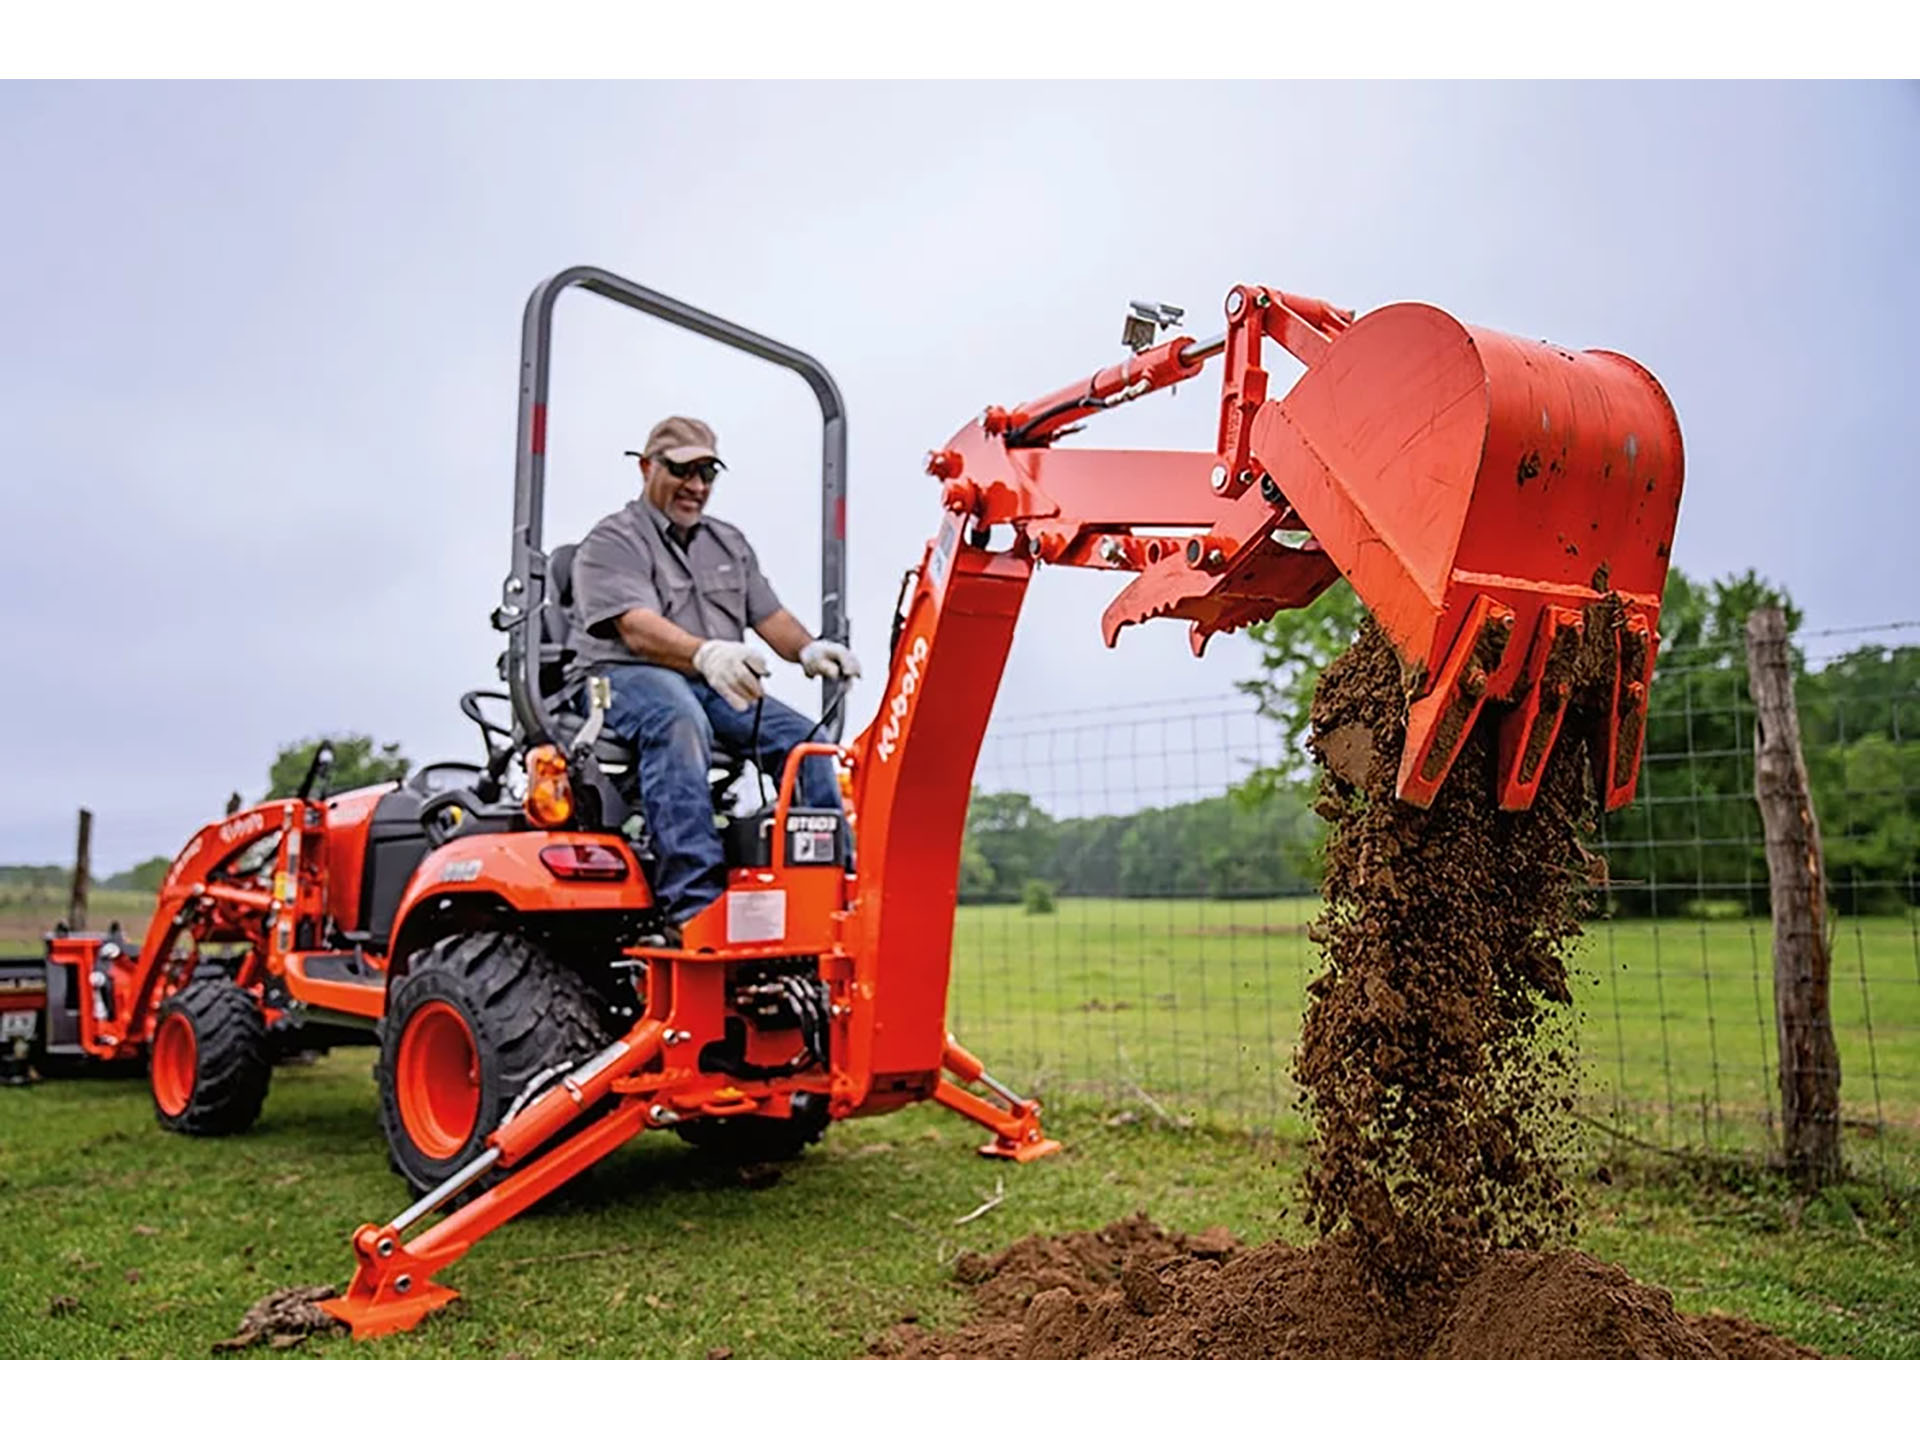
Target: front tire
point(474, 1021)
point(210, 1064)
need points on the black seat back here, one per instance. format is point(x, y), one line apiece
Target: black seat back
point(556, 622)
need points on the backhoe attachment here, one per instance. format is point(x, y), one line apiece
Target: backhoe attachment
point(1489, 498)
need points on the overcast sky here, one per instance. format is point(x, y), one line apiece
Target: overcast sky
point(260, 351)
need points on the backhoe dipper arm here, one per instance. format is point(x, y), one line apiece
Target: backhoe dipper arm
point(1487, 497)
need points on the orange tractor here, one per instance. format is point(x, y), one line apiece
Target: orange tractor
point(492, 925)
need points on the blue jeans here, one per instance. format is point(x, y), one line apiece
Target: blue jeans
point(674, 721)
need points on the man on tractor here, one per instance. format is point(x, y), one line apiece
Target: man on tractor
point(663, 595)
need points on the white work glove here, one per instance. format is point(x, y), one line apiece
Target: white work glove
point(829, 658)
point(734, 668)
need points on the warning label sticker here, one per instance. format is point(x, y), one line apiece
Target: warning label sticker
point(756, 915)
point(810, 848)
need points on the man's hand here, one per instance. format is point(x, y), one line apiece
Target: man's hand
point(734, 668)
point(829, 658)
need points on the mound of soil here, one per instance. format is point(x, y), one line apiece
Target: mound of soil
point(1134, 1291)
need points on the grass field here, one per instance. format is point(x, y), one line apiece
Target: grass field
point(125, 1240)
point(1194, 1006)
point(1161, 1031)
point(27, 913)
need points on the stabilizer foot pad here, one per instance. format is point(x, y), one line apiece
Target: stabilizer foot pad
point(370, 1319)
point(1020, 1153)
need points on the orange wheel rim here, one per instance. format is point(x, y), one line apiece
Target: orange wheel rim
point(176, 1055)
point(437, 1079)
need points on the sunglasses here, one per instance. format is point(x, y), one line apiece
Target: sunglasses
point(705, 470)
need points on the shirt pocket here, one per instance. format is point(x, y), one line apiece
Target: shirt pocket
point(725, 589)
point(729, 597)
point(677, 600)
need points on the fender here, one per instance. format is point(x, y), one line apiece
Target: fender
point(506, 870)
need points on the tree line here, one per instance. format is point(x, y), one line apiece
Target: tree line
point(1222, 847)
point(1691, 841)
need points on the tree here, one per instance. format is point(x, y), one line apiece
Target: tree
point(1692, 835)
point(976, 875)
point(1012, 836)
point(1295, 646)
point(1858, 717)
point(356, 762)
point(147, 875)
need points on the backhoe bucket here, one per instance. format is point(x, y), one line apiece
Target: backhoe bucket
point(1503, 499)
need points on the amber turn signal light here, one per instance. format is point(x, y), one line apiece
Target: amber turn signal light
point(549, 801)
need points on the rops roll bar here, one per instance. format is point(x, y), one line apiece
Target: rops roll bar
point(525, 589)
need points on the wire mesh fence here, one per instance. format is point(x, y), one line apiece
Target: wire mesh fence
point(1138, 935)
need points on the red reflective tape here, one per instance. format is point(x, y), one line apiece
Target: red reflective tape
point(539, 429)
point(840, 518)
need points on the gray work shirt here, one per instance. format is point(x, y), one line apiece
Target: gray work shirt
point(712, 588)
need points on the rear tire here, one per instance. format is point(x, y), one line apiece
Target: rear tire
point(472, 1023)
point(210, 1064)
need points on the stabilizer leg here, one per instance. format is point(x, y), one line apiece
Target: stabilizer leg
point(392, 1286)
point(1016, 1129)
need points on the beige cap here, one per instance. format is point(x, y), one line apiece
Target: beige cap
point(680, 439)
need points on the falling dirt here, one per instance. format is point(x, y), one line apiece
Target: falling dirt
point(284, 1319)
point(1136, 1292)
point(1435, 1059)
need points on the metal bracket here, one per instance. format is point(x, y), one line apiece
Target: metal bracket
point(599, 700)
point(1145, 320)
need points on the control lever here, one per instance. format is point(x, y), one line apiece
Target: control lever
point(599, 700)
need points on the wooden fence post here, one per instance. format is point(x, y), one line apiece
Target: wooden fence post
point(1802, 960)
point(82, 863)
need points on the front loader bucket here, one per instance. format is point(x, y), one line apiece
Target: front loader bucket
point(1490, 499)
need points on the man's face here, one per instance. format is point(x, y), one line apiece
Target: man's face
point(681, 498)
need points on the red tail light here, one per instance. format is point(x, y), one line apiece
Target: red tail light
point(584, 862)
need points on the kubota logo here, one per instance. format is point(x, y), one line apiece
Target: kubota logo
point(250, 824)
point(186, 858)
point(903, 701)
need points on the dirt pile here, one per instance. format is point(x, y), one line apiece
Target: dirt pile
point(1435, 1059)
point(1134, 1291)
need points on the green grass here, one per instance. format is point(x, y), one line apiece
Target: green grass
point(1194, 1006)
point(1132, 1012)
point(657, 1252)
point(162, 1242)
